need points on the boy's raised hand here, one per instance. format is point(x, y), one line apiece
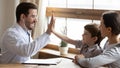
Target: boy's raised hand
point(51, 25)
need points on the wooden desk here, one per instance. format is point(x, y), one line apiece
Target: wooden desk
point(65, 63)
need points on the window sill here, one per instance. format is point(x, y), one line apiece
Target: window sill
point(52, 51)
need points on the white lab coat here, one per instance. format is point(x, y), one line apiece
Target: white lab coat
point(16, 47)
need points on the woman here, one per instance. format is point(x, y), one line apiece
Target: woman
point(110, 27)
point(90, 44)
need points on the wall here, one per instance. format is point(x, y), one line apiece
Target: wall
point(7, 14)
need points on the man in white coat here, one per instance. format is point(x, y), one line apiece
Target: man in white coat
point(17, 44)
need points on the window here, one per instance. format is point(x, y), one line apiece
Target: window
point(72, 25)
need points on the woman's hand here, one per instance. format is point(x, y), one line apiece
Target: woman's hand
point(75, 60)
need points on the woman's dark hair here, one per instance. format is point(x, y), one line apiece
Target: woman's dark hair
point(94, 30)
point(23, 8)
point(112, 19)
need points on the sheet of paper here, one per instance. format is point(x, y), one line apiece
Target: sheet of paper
point(52, 61)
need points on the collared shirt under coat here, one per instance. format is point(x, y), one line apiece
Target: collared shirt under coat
point(16, 47)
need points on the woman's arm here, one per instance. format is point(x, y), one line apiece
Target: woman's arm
point(109, 56)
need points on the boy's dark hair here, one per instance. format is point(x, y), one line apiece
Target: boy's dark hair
point(94, 30)
point(23, 8)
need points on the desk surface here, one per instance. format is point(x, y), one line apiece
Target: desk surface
point(65, 63)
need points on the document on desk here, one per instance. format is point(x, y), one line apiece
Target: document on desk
point(52, 61)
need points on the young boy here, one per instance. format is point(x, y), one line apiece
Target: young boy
point(89, 45)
